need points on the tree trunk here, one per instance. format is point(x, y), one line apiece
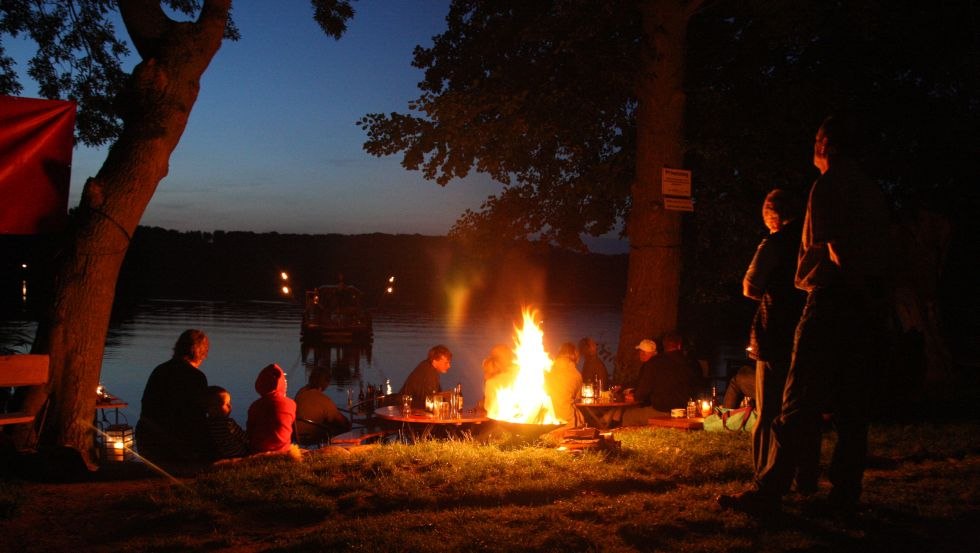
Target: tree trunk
point(650, 306)
point(162, 90)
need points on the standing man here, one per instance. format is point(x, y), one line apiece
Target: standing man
point(842, 265)
point(424, 379)
point(770, 280)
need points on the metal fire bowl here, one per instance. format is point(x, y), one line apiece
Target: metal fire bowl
point(523, 432)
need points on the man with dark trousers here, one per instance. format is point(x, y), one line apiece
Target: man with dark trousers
point(770, 280)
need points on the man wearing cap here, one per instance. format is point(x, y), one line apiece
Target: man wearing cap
point(666, 381)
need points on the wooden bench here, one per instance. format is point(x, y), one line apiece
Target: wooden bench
point(358, 436)
point(22, 370)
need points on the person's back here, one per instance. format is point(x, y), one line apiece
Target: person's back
point(271, 417)
point(171, 426)
point(675, 380)
point(313, 405)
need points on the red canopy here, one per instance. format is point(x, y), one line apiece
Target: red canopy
point(36, 140)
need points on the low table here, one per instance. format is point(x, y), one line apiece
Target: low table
point(593, 412)
point(419, 425)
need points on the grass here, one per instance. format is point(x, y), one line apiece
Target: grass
point(656, 494)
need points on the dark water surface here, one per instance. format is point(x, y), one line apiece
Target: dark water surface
point(247, 336)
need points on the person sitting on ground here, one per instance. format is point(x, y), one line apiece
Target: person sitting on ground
point(424, 378)
point(171, 427)
point(499, 372)
point(271, 417)
point(593, 369)
point(228, 440)
point(666, 382)
point(563, 383)
point(313, 405)
point(740, 386)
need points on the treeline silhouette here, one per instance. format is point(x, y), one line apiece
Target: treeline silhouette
point(429, 271)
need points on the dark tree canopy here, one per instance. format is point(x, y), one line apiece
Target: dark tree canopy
point(80, 54)
point(539, 96)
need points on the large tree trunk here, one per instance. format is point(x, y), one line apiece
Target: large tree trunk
point(650, 306)
point(162, 90)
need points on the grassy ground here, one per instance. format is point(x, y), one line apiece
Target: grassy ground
point(657, 494)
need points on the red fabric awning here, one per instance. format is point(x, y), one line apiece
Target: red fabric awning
point(36, 140)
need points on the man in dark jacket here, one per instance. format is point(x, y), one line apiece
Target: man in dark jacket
point(666, 382)
point(172, 421)
point(424, 379)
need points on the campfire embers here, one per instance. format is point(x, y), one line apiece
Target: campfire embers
point(518, 395)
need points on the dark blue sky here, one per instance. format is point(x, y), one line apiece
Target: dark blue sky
point(272, 143)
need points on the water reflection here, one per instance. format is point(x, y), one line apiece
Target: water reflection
point(343, 361)
point(246, 336)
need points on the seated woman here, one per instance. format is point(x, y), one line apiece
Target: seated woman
point(313, 405)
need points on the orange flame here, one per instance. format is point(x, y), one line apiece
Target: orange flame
point(521, 397)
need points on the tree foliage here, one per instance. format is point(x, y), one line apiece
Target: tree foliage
point(538, 95)
point(144, 113)
point(541, 96)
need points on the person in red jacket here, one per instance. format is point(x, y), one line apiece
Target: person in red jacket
point(270, 418)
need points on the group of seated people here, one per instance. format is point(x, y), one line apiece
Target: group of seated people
point(184, 420)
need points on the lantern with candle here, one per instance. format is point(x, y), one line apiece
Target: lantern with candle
point(117, 443)
point(588, 393)
point(705, 407)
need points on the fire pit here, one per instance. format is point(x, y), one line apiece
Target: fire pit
point(517, 400)
point(524, 433)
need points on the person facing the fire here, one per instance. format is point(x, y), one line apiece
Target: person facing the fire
point(499, 371)
point(563, 383)
point(424, 379)
point(171, 427)
point(666, 382)
point(593, 369)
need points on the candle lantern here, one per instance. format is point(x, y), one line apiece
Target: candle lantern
point(705, 408)
point(117, 443)
point(588, 393)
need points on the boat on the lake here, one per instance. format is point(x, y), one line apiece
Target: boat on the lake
point(335, 314)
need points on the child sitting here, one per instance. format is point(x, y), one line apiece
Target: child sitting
point(227, 439)
point(271, 417)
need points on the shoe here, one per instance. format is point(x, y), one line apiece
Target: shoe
point(752, 502)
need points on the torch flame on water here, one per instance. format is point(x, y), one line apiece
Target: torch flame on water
point(523, 398)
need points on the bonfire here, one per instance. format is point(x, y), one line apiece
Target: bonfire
point(521, 397)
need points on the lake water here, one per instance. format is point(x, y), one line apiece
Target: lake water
point(247, 336)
